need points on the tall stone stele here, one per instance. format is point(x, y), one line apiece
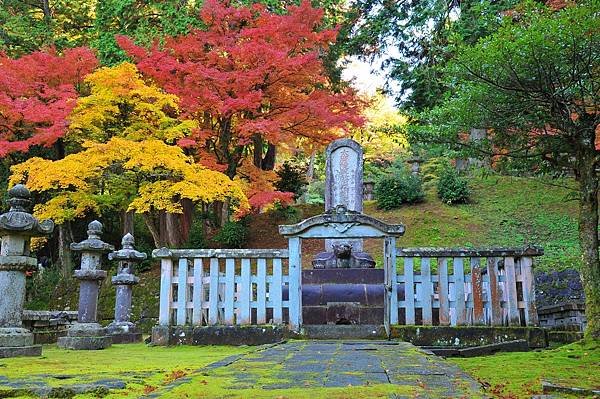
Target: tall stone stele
point(17, 226)
point(343, 192)
point(87, 334)
point(122, 330)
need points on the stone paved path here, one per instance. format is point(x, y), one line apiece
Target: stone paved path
point(323, 364)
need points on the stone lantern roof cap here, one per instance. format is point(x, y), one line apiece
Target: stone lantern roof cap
point(93, 243)
point(128, 251)
point(18, 219)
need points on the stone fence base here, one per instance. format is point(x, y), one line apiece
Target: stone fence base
point(217, 335)
point(48, 325)
point(468, 336)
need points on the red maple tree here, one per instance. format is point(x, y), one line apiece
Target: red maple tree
point(253, 80)
point(37, 93)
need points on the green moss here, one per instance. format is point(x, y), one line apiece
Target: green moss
point(574, 365)
point(137, 365)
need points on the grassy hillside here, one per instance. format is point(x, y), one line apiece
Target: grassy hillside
point(504, 211)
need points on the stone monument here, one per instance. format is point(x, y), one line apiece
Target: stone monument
point(17, 226)
point(87, 334)
point(122, 330)
point(343, 188)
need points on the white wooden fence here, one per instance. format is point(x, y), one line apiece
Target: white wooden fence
point(485, 287)
point(226, 286)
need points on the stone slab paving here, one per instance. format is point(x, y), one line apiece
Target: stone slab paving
point(338, 364)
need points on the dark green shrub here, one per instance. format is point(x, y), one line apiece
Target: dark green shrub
point(285, 212)
point(292, 179)
point(233, 234)
point(398, 188)
point(451, 188)
point(196, 239)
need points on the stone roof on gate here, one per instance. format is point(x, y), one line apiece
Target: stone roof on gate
point(341, 216)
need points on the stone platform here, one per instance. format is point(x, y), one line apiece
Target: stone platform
point(399, 368)
point(85, 336)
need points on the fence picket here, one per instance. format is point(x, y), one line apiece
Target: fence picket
point(197, 292)
point(229, 290)
point(477, 287)
point(275, 292)
point(528, 291)
point(510, 284)
point(182, 291)
point(245, 293)
point(444, 314)
point(409, 291)
point(261, 291)
point(494, 296)
point(459, 291)
point(166, 291)
point(213, 293)
point(426, 291)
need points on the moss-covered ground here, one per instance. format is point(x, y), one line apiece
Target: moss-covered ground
point(519, 375)
point(144, 369)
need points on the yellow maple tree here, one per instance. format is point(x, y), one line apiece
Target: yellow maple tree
point(160, 174)
point(124, 133)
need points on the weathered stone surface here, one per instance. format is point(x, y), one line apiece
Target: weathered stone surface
point(445, 336)
point(344, 182)
point(85, 343)
point(126, 338)
point(85, 336)
point(548, 387)
point(122, 329)
point(519, 345)
point(564, 337)
point(14, 351)
point(217, 335)
point(17, 226)
point(304, 364)
point(343, 332)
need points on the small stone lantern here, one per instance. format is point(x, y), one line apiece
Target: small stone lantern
point(87, 334)
point(17, 226)
point(122, 330)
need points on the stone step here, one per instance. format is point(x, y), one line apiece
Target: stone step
point(332, 331)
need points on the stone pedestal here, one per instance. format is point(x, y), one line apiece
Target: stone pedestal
point(87, 334)
point(17, 227)
point(122, 330)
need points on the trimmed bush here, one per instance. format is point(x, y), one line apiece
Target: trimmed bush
point(451, 188)
point(232, 234)
point(292, 179)
point(398, 188)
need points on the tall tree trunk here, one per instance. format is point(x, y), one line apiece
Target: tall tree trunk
point(127, 222)
point(257, 143)
point(65, 238)
point(152, 221)
point(268, 162)
point(310, 170)
point(588, 238)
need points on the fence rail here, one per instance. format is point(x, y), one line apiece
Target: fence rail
point(224, 286)
point(465, 286)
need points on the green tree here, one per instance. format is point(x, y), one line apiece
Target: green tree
point(411, 38)
point(535, 84)
point(27, 26)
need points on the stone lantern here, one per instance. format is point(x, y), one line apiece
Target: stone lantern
point(17, 226)
point(122, 330)
point(87, 334)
